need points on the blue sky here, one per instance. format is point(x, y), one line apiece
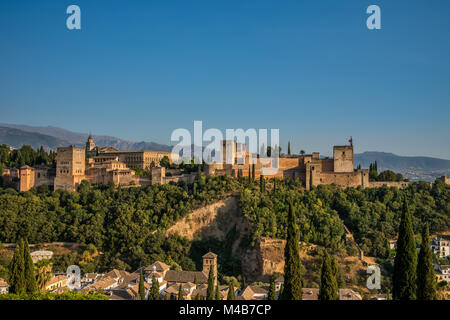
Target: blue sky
point(140, 69)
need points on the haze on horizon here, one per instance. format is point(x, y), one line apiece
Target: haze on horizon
point(138, 70)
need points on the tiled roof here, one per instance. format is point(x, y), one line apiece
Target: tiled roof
point(3, 283)
point(210, 255)
point(310, 294)
point(185, 276)
point(159, 267)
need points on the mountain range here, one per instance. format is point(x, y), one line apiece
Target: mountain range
point(413, 168)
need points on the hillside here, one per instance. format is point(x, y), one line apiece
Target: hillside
point(414, 168)
point(16, 138)
point(18, 133)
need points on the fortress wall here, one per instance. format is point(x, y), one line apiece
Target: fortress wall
point(398, 184)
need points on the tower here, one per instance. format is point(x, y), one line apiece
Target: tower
point(90, 144)
point(210, 261)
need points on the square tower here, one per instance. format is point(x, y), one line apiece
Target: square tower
point(70, 167)
point(210, 261)
point(343, 158)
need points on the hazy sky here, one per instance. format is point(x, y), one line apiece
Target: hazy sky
point(140, 69)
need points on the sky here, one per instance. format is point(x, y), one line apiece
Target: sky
point(312, 69)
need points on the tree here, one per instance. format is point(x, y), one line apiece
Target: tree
point(217, 293)
point(405, 263)
point(262, 185)
point(426, 283)
point(253, 172)
point(337, 272)
point(29, 276)
point(154, 290)
point(180, 293)
point(328, 284)
point(272, 295)
point(292, 267)
point(17, 282)
point(302, 152)
point(210, 290)
point(141, 287)
point(165, 162)
point(230, 295)
point(289, 148)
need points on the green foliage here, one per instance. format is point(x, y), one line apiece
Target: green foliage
point(17, 282)
point(54, 296)
point(292, 267)
point(210, 289)
point(405, 264)
point(217, 293)
point(165, 162)
point(154, 290)
point(121, 223)
point(180, 293)
point(328, 283)
point(272, 295)
point(26, 155)
point(29, 276)
point(231, 289)
point(426, 279)
point(141, 287)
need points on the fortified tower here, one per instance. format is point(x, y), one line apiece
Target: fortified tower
point(70, 168)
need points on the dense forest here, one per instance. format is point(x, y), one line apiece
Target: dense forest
point(126, 224)
point(372, 214)
point(26, 155)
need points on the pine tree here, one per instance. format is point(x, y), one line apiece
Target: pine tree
point(426, 284)
point(154, 290)
point(230, 295)
point(217, 293)
point(210, 289)
point(272, 294)
point(292, 267)
point(180, 293)
point(289, 148)
point(328, 284)
point(141, 287)
point(405, 264)
point(29, 276)
point(17, 282)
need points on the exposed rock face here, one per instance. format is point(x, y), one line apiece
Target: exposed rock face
point(214, 220)
point(266, 258)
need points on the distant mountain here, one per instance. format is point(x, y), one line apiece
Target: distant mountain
point(37, 136)
point(16, 138)
point(413, 168)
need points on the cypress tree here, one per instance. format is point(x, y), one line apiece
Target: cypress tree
point(210, 289)
point(141, 287)
point(230, 295)
point(262, 184)
point(217, 295)
point(405, 263)
point(154, 290)
point(272, 294)
point(328, 284)
point(29, 276)
point(249, 175)
point(180, 293)
point(292, 266)
point(310, 179)
point(426, 284)
point(253, 172)
point(17, 282)
point(289, 148)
